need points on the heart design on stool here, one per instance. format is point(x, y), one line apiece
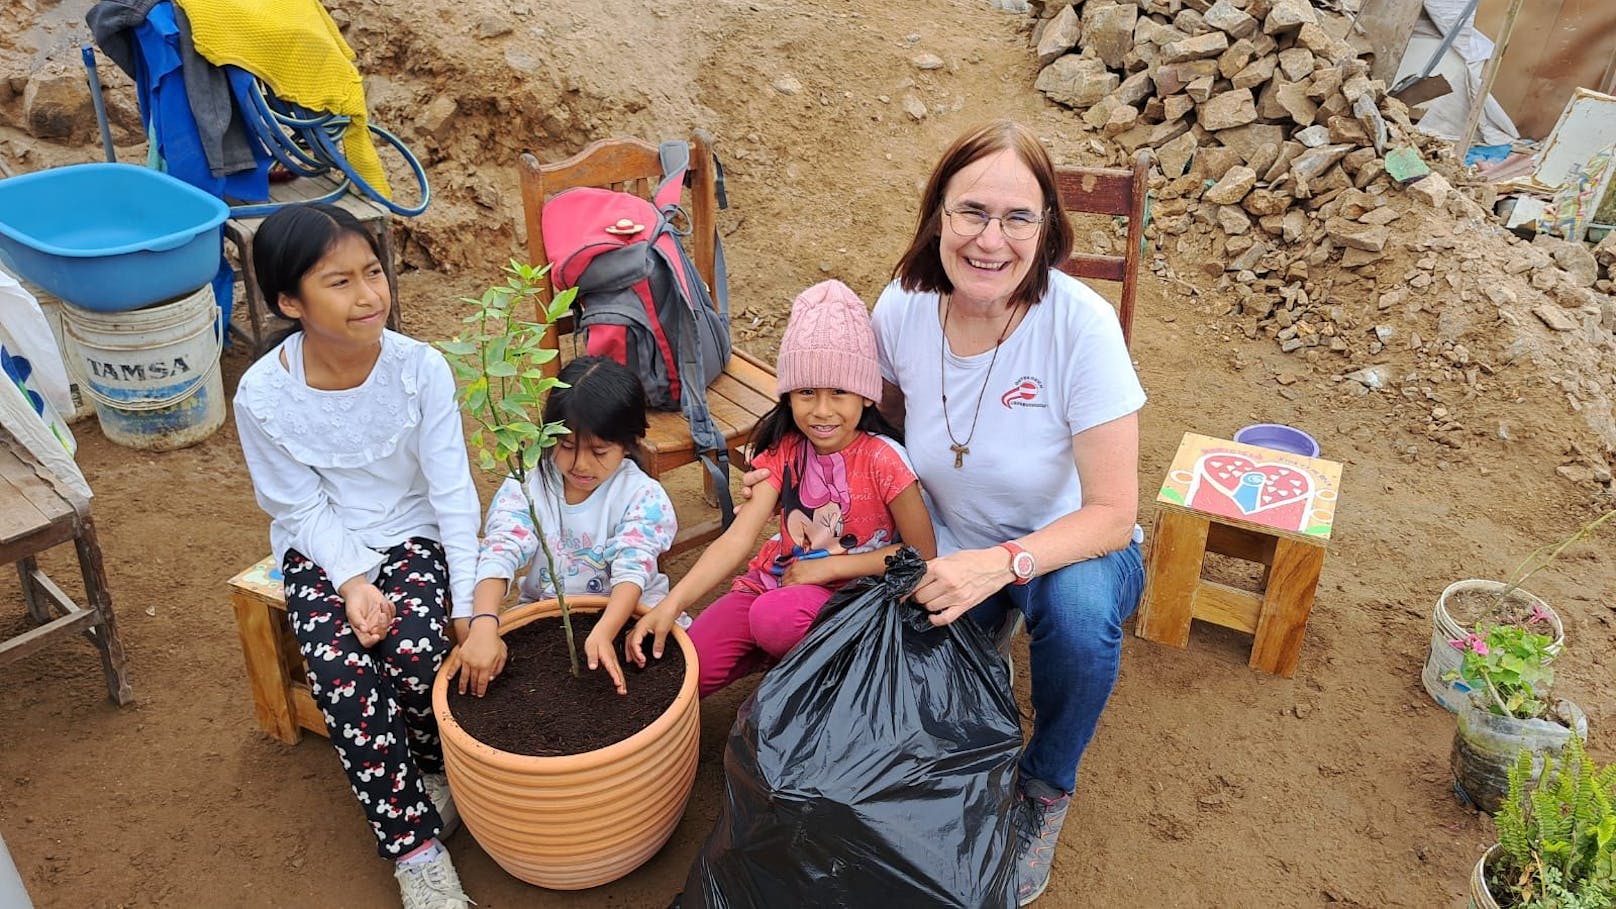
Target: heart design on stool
point(1263, 492)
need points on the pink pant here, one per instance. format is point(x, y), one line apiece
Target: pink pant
point(744, 632)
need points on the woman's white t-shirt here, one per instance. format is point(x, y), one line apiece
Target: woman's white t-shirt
point(1064, 369)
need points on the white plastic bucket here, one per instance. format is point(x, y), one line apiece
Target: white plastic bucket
point(153, 373)
point(52, 307)
point(1444, 657)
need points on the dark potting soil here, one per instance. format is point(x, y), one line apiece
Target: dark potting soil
point(1468, 607)
point(537, 707)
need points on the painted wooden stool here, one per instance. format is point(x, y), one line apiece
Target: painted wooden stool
point(1251, 503)
point(275, 669)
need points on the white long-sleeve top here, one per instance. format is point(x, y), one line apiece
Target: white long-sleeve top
point(614, 536)
point(346, 475)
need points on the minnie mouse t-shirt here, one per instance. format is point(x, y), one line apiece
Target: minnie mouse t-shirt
point(831, 504)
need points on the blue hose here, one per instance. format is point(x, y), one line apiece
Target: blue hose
point(307, 143)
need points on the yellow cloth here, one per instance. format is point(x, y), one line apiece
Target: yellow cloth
point(296, 49)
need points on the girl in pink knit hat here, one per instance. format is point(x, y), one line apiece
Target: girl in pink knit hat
point(839, 486)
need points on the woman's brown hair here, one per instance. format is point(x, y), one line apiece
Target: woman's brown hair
point(921, 268)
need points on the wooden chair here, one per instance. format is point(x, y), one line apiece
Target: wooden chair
point(1110, 191)
point(33, 518)
point(744, 392)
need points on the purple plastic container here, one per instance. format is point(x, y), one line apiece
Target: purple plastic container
point(1280, 438)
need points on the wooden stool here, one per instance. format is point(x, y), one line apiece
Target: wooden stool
point(1251, 503)
point(33, 518)
point(241, 231)
point(275, 669)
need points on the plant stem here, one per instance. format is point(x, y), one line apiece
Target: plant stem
point(1519, 578)
point(1497, 698)
point(549, 561)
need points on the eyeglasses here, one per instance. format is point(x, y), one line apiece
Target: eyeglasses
point(1018, 225)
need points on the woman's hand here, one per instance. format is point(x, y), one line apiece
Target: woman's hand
point(482, 657)
point(658, 622)
point(599, 652)
point(956, 582)
point(370, 612)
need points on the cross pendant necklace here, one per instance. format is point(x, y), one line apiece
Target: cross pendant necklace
point(959, 448)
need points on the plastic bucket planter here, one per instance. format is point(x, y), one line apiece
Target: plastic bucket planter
point(110, 237)
point(1487, 745)
point(1443, 658)
point(1480, 896)
point(579, 820)
point(1279, 437)
point(153, 374)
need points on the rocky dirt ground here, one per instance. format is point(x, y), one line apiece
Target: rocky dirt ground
point(1464, 377)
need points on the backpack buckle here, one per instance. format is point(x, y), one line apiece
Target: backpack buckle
point(625, 227)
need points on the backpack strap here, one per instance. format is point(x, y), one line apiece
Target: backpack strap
point(709, 440)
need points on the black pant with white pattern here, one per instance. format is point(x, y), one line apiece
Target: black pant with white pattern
point(377, 701)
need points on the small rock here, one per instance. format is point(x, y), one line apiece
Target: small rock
point(914, 107)
point(1076, 81)
point(1371, 376)
point(492, 26)
point(57, 106)
point(1228, 110)
point(787, 85)
point(1432, 189)
point(1369, 237)
point(932, 61)
point(1575, 258)
point(1227, 17)
point(1287, 15)
point(1059, 36)
point(1555, 317)
point(1296, 63)
point(1232, 220)
point(1315, 136)
point(1200, 47)
point(1108, 31)
point(1233, 187)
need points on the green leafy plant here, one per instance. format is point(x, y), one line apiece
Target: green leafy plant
point(1507, 667)
point(1557, 841)
point(498, 360)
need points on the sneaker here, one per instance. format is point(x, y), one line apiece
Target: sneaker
point(437, 789)
point(1043, 810)
point(431, 884)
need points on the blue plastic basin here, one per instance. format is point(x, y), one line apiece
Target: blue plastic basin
point(110, 237)
point(1279, 437)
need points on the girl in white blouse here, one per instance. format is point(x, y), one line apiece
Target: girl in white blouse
point(356, 451)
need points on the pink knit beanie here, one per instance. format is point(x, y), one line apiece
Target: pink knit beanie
point(829, 343)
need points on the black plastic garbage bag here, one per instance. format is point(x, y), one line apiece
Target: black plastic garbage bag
point(872, 769)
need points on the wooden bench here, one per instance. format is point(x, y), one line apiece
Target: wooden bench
point(275, 669)
point(260, 322)
point(745, 391)
point(33, 518)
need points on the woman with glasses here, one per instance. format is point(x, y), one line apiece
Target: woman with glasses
point(1020, 412)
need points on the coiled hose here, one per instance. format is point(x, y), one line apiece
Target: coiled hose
point(308, 143)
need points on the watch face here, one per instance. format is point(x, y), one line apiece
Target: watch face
point(1022, 565)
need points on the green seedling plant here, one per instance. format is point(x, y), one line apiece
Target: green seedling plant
point(1507, 666)
point(498, 360)
point(1557, 840)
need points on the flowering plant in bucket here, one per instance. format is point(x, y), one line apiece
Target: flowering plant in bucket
point(1507, 666)
point(499, 359)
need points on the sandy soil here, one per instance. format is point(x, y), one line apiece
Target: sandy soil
point(1208, 784)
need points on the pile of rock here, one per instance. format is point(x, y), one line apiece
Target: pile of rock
point(1248, 103)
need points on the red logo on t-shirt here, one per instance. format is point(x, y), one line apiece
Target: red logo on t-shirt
point(1024, 393)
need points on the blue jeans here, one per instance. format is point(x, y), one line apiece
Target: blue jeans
point(1074, 618)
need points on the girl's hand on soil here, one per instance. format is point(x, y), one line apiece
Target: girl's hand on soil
point(369, 611)
point(598, 650)
point(819, 572)
point(658, 622)
point(482, 657)
point(956, 582)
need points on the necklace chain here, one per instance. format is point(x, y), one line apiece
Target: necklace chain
point(961, 449)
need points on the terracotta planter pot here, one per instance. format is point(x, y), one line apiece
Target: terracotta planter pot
point(1442, 658)
point(1480, 896)
point(579, 820)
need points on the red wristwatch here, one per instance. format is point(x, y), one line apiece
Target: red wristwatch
point(1022, 564)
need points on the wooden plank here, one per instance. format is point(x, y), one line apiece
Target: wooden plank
point(1228, 606)
point(307, 712)
point(1172, 572)
point(29, 641)
point(99, 597)
point(27, 482)
point(56, 601)
point(34, 598)
point(691, 536)
point(1093, 267)
point(1286, 605)
point(1387, 25)
point(1479, 103)
point(266, 674)
point(603, 163)
point(35, 543)
point(752, 400)
point(1098, 190)
point(1240, 543)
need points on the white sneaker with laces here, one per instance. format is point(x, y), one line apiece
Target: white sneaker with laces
point(431, 884)
point(437, 789)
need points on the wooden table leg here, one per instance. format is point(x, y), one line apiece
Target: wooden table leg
point(1172, 571)
point(1286, 604)
point(105, 635)
point(38, 604)
point(266, 672)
